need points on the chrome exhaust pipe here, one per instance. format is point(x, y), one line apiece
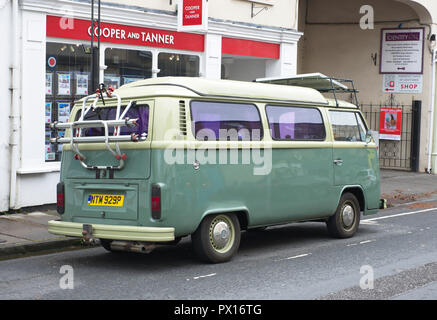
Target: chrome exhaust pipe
point(130, 246)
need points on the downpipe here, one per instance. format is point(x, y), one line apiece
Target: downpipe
point(15, 108)
point(432, 128)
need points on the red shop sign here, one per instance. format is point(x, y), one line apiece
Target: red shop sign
point(123, 34)
point(193, 15)
point(390, 124)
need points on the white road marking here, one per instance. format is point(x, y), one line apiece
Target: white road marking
point(401, 214)
point(362, 242)
point(205, 276)
point(295, 257)
point(373, 223)
point(367, 241)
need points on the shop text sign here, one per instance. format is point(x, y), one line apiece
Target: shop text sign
point(402, 83)
point(390, 124)
point(402, 51)
point(123, 34)
point(192, 15)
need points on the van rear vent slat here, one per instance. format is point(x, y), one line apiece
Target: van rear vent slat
point(182, 118)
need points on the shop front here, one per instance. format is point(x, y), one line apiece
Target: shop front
point(56, 65)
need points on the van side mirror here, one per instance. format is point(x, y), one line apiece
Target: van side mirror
point(368, 136)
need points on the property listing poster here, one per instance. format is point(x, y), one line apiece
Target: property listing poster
point(63, 111)
point(49, 83)
point(112, 81)
point(390, 124)
point(64, 83)
point(48, 112)
point(81, 84)
point(49, 154)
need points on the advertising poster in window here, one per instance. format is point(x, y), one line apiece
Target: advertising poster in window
point(112, 81)
point(64, 81)
point(390, 124)
point(82, 84)
point(49, 155)
point(48, 112)
point(127, 80)
point(63, 112)
point(49, 83)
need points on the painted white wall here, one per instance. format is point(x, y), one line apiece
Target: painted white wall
point(280, 14)
point(212, 58)
point(286, 66)
point(5, 82)
point(34, 184)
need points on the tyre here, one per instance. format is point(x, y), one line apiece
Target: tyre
point(344, 223)
point(217, 238)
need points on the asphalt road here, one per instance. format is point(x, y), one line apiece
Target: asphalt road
point(296, 261)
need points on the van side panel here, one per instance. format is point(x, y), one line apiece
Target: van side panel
point(360, 167)
point(286, 193)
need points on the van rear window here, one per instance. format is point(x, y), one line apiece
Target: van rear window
point(295, 123)
point(140, 112)
point(225, 121)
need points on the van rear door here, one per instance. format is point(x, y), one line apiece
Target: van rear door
point(107, 193)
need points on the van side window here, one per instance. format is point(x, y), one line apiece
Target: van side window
point(295, 123)
point(346, 127)
point(225, 121)
point(140, 112)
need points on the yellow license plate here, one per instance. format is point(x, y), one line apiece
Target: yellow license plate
point(107, 200)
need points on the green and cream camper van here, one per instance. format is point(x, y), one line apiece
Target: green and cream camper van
point(164, 158)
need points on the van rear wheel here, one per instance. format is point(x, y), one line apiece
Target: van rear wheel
point(217, 238)
point(344, 223)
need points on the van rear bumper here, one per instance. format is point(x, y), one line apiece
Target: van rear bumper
point(113, 232)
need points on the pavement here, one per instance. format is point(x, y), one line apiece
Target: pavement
point(25, 233)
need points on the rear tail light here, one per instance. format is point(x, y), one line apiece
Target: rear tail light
point(156, 201)
point(60, 198)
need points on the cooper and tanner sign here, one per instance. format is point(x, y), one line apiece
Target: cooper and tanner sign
point(192, 15)
point(125, 34)
point(402, 50)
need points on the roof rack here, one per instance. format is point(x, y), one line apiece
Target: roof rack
point(120, 121)
point(319, 82)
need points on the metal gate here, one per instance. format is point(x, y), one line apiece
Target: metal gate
point(403, 154)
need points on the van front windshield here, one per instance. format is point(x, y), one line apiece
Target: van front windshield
point(140, 112)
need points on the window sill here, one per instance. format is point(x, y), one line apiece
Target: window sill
point(45, 168)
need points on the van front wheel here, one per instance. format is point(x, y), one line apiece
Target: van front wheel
point(344, 223)
point(217, 238)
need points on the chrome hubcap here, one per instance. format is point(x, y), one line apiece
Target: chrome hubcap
point(221, 234)
point(348, 215)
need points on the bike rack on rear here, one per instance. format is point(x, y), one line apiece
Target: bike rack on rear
point(118, 122)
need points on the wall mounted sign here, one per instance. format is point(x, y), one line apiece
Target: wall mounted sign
point(390, 124)
point(402, 50)
point(402, 83)
point(124, 34)
point(51, 62)
point(192, 15)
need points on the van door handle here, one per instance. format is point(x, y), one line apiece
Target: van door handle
point(338, 162)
